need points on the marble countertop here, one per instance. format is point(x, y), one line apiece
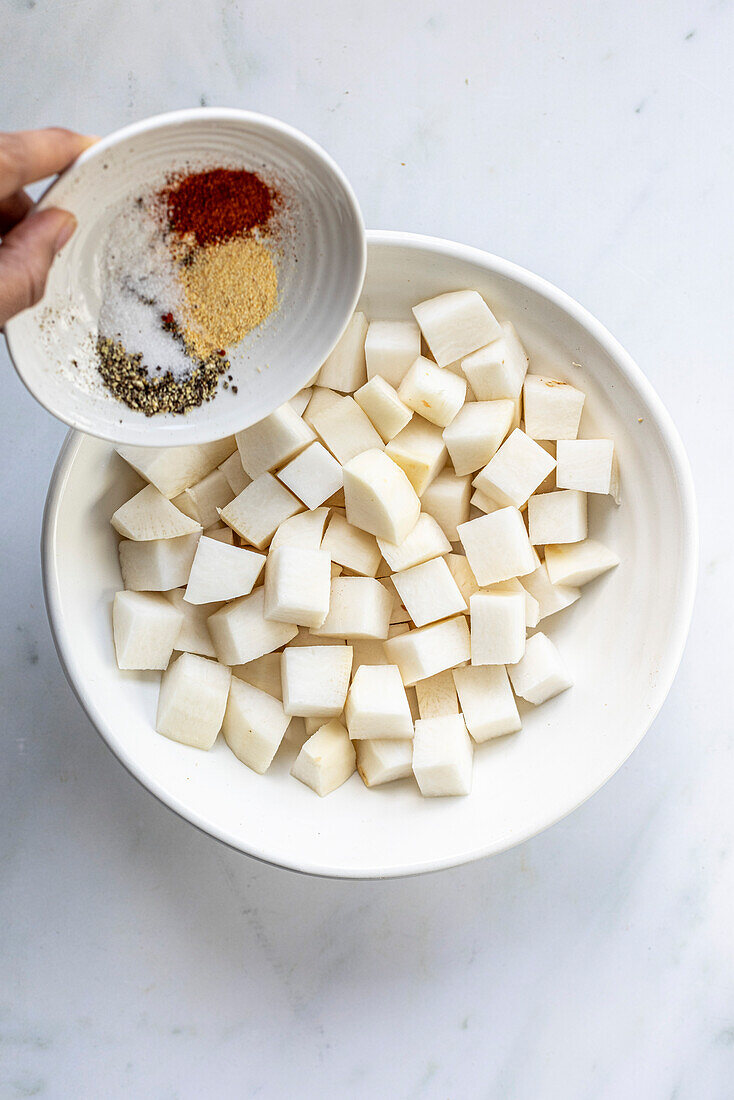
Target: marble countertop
point(592, 143)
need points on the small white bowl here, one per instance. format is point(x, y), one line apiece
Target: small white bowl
point(622, 641)
point(320, 273)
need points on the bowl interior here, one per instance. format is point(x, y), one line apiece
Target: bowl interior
point(622, 641)
point(320, 269)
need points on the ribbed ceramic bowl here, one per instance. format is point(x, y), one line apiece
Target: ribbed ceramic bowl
point(622, 641)
point(320, 271)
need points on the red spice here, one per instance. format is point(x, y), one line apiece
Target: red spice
point(219, 204)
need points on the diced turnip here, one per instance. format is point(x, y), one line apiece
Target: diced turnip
point(316, 679)
point(476, 432)
point(344, 369)
point(221, 533)
point(578, 563)
point(387, 413)
point(390, 348)
point(589, 465)
point(259, 510)
point(351, 547)
point(297, 585)
point(193, 636)
point(447, 500)
point(359, 608)
point(461, 572)
point(149, 515)
point(326, 760)
point(145, 627)
point(437, 695)
point(173, 469)
point(498, 370)
point(456, 324)
point(202, 501)
point(497, 628)
point(305, 528)
point(551, 598)
point(497, 546)
point(236, 477)
point(557, 517)
point(377, 706)
point(314, 722)
point(314, 475)
point(433, 393)
point(515, 471)
point(483, 502)
point(241, 632)
point(254, 725)
point(420, 451)
point(222, 572)
point(379, 497)
point(540, 674)
point(552, 408)
point(346, 430)
point(430, 649)
point(299, 401)
point(424, 542)
point(273, 441)
point(487, 701)
point(262, 673)
point(321, 400)
point(159, 564)
point(385, 761)
point(429, 592)
point(443, 756)
point(192, 700)
point(532, 607)
point(367, 651)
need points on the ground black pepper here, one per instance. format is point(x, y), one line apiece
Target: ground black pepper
point(125, 376)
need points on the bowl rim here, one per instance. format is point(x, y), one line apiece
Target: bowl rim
point(154, 122)
point(679, 631)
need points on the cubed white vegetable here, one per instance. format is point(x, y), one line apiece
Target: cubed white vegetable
point(437, 695)
point(192, 700)
point(385, 761)
point(476, 432)
point(145, 627)
point(387, 413)
point(236, 477)
point(430, 649)
point(359, 608)
point(540, 674)
point(515, 471)
point(222, 572)
point(487, 701)
point(273, 441)
point(259, 510)
point(326, 760)
point(429, 592)
point(193, 635)
point(159, 564)
point(498, 370)
point(221, 533)
point(379, 497)
point(377, 706)
point(456, 324)
point(552, 408)
point(262, 673)
point(557, 517)
point(305, 528)
point(589, 465)
point(316, 679)
point(173, 469)
point(241, 632)
point(497, 628)
point(462, 574)
point(578, 563)
point(420, 451)
point(351, 547)
point(202, 501)
point(299, 401)
point(344, 369)
point(254, 725)
point(433, 393)
point(551, 597)
point(149, 515)
point(346, 430)
point(532, 607)
point(390, 348)
point(314, 475)
point(297, 585)
point(367, 651)
point(443, 756)
point(497, 546)
point(321, 400)
point(483, 502)
point(424, 542)
point(447, 500)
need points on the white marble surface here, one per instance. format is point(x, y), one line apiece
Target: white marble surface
point(590, 141)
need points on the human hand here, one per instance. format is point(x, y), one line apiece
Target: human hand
point(29, 240)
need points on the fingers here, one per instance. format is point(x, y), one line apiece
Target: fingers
point(30, 155)
point(26, 255)
point(13, 209)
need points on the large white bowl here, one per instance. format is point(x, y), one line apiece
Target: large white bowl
point(623, 640)
point(320, 271)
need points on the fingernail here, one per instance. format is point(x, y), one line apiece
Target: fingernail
point(65, 232)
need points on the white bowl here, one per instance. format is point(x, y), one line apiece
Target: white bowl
point(622, 641)
point(320, 273)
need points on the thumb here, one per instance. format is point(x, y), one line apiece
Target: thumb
point(26, 254)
